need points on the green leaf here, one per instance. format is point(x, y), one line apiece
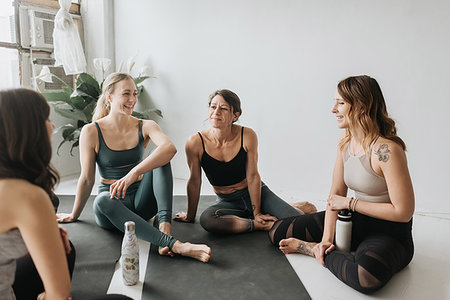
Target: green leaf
point(147, 114)
point(89, 81)
point(56, 96)
point(77, 102)
point(71, 113)
point(140, 79)
point(73, 146)
point(68, 90)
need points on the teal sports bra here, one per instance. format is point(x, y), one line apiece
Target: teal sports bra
point(115, 164)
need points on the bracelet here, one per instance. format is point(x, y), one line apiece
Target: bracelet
point(354, 204)
point(350, 203)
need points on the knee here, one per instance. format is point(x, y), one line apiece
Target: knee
point(208, 221)
point(103, 203)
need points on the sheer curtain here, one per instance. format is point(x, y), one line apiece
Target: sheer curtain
point(68, 49)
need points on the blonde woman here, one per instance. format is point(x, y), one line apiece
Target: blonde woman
point(371, 161)
point(131, 188)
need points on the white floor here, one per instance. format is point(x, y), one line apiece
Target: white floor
point(427, 276)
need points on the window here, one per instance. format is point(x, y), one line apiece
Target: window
point(26, 42)
point(9, 53)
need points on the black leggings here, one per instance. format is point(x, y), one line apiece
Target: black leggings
point(379, 248)
point(27, 282)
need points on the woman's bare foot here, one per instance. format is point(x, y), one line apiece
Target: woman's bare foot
point(165, 227)
point(305, 207)
point(198, 251)
point(293, 245)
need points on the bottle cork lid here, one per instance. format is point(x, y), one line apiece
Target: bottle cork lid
point(129, 226)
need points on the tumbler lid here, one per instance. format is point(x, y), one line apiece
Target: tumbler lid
point(129, 226)
point(345, 215)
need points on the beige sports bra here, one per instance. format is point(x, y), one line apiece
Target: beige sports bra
point(361, 178)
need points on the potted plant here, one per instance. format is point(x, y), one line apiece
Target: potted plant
point(79, 103)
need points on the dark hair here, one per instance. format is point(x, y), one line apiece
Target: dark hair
point(367, 110)
point(25, 149)
point(231, 98)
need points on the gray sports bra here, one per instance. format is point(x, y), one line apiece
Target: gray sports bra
point(360, 177)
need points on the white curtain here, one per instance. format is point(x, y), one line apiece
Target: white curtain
point(68, 49)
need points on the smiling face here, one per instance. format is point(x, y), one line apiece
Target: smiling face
point(124, 97)
point(221, 113)
point(341, 109)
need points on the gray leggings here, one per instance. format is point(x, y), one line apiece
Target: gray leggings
point(233, 212)
point(143, 200)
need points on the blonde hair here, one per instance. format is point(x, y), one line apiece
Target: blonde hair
point(367, 111)
point(103, 106)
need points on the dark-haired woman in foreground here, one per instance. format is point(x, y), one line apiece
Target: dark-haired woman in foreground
point(228, 153)
point(28, 222)
point(371, 161)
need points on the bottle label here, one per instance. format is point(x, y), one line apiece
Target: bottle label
point(130, 268)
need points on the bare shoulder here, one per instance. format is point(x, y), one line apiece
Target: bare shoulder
point(385, 150)
point(89, 131)
point(24, 196)
point(149, 124)
point(248, 132)
point(194, 144)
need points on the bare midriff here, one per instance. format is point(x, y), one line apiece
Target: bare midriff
point(111, 181)
point(230, 188)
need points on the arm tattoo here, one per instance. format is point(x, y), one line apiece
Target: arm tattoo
point(383, 153)
point(305, 248)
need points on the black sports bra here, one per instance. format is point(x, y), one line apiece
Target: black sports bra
point(221, 173)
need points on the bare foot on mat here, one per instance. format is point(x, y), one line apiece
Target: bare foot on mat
point(305, 207)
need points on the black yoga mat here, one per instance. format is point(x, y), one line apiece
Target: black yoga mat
point(97, 251)
point(243, 266)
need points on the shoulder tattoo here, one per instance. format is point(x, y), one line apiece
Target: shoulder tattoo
point(383, 153)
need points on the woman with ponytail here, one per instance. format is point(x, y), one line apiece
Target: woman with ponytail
point(371, 161)
point(131, 188)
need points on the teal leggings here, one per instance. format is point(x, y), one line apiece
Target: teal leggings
point(143, 200)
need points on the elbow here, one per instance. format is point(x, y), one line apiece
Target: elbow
point(171, 150)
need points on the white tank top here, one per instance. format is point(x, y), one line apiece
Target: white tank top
point(361, 178)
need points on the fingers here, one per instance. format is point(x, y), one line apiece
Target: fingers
point(65, 239)
point(330, 248)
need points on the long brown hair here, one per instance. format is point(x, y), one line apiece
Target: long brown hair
point(25, 149)
point(103, 106)
point(367, 111)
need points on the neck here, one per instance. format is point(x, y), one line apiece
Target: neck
point(222, 135)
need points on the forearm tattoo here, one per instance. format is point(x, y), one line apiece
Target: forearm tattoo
point(305, 248)
point(383, 153)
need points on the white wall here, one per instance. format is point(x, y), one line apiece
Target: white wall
point(284, 59)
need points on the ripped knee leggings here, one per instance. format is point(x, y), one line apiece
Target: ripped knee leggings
point(233, 212)
point(143, 200)
point(379, 248)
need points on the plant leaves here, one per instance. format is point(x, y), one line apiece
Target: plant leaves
point(56, 96)
point(90, 82)
point(147, 114)
point(140, 79)
point(71, 113)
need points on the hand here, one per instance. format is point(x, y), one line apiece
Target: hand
point(260, 218)
point(182, 217)
point(119, 188)
point(65, 238)
point(65, 218)
point(322, 248)
point(338, 203)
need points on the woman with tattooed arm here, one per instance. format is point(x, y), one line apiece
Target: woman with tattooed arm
point(371, 161)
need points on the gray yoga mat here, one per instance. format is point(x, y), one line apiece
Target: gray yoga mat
point(97, 251)
point(243, 266)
